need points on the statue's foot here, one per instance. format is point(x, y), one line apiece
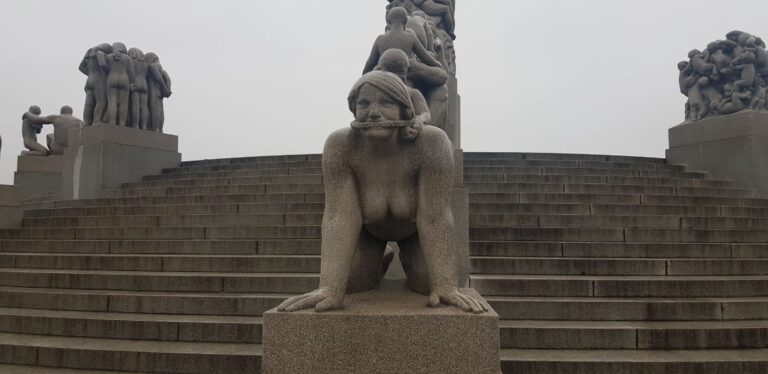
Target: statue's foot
point(322, 299)
point(454, 296)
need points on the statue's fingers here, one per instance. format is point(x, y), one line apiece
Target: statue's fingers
point(485, 304)
point(305, 303)
point(434, 300)
point(456, 300)
point(327, 305)
point(473, 305)
point(287, 302)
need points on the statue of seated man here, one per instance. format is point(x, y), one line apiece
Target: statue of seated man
point(396, 62)
point(62, 124)
point(29, 131)
point(386, 181)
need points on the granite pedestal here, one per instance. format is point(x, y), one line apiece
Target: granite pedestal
point(10, 209)
point(732, 147)
point(103, 157)
point(453, 125)
point(382, 331)
point(38, 175)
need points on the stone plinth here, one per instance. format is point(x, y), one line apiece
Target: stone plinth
point(732, 147)
point(382, 331)
point(10, 209)
point(102, 157)
point(453, 125)
point(37, 175)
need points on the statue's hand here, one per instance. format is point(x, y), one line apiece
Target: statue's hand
point(322, 299)
point(454, 296)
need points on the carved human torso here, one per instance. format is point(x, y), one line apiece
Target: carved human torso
point(119, 63)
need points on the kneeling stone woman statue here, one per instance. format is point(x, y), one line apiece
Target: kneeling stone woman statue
point(386, 179)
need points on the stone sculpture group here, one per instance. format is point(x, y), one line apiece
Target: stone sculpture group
point(32, 124)
point(125, 87)
point(388, 177)
point(726, 77)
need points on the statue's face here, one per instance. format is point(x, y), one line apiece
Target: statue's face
point(375, 106)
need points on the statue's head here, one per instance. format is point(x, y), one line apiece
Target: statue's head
point(396, 62)
point(136, 54)
point(382, 106)
point(682, 65)
point(104, 47)
point(693, 53)
point(397, 16)
point(118, 46)
point(67, 110)
point(34, 109)
point(734, 35)
point(152, 58)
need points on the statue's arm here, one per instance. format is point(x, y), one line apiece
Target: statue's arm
point(420, 106)
point(434, 220)
point(101, 59)
point(373, 58)
point(84, 65)
point(167, 81)
point(423, 54)
point(131, 72)
point(38, 120)
point(342, 219)
point(156, 73)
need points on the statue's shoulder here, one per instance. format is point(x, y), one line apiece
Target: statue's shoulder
point(434, 136)
point(338, 140)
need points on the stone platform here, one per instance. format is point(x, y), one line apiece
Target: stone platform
point(732, 147)
point(382, 331)
point(103, 157)
point(37, 175)
point(10, 210)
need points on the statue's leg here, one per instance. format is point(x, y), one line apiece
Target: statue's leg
point(367, 265)
point(414, 265)
point(135, 110)
point(113, 97)
point(35, 148)
point(123, 106)
point(100, 108)
point(437, 100)
point(144, 110)
point(161, 116)
point(89, 108)
point(439, 10)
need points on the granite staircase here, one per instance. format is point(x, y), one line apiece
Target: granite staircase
point(596, 264)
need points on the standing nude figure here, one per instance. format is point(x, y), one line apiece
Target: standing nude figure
point(120, 81)
point(94, 65)
point(140, 93)
point(29, 131)
point(159, 83)
point(386, 181)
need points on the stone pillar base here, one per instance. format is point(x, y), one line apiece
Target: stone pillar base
point(382, 331)
point(10, 207)
point(38, 175)
point(732, 147)
point(102, 157)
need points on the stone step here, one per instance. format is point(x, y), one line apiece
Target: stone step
point(163, 263)
point(578, 220)
point(194, 199)
point(549, 361)
point(630, 309)
point(595, 179)
point(159, 281)
point(638, 235)
point(618, 250)
point(186, 168)
point(140, 302)
point(558, 156)
point(620, 286)
point(24, 369)
point(165, 233)
point(617, 266)
point(130, 355)
point(135, 326)
point(574, 164)
point(140, 246)
point(268, 176)
point(633, 335)
point(194, 220)
point(177, 209)
point(613, 172)
point(254, 159)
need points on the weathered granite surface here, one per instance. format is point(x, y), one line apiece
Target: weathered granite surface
point(382, 331)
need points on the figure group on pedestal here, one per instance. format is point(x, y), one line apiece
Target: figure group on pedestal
point(726, 77)
point(424, 45)
point(32, 124)
point(125, 87)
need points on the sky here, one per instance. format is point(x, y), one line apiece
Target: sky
point(256, 77)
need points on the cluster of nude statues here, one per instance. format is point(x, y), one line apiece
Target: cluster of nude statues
point(726, 77)
point(125, 87)
point(389, 176)
point(32, 124)
point(418, 48)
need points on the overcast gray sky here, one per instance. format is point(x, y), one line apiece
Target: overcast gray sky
point(256, 77)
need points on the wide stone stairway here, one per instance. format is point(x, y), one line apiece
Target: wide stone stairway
point(596, 264)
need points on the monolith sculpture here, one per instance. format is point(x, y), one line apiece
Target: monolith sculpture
point(62, 123)
point(725, 131)
point(393, 176)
